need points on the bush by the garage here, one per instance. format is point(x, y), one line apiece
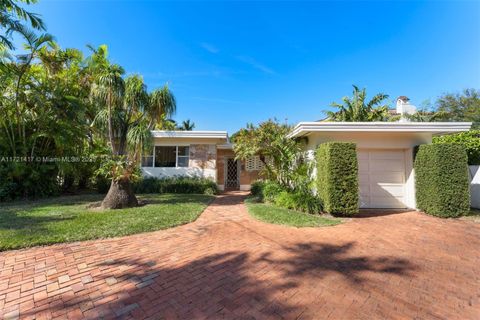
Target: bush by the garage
point(178, 184)
point(470, 140)
point(441, 180)
point(337, 177)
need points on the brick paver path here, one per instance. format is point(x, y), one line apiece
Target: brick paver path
point(227, 265)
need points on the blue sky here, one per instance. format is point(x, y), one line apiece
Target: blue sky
point(229, 63)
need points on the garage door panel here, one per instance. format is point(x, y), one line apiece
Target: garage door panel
point(362, 155)
point(387, 177)
point(387, 190)
point(386, 155)
point(386, 165)
point(363, 178)
point(363, 166)
point(381, 202)
point(381, 178)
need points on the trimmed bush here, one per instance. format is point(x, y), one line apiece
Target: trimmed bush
point(337, 177)
point(470, 140)
point(442, 180)
point(178, 184)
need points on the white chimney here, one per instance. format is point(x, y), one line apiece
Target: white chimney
point(404, 107)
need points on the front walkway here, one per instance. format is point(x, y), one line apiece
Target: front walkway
point(226, 265)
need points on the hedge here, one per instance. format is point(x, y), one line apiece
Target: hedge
point(470, 140)
point(337, 177)
point(442, 180)
point(178, 184)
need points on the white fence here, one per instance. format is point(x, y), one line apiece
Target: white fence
point(475, 186)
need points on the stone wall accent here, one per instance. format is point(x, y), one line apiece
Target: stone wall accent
point(203, 156)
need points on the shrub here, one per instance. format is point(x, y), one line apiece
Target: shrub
point(337, 177)
point(271, 190)
point(257, 189)
point(470, 140)
point(441, 180)
point(177, 184)
point(299, 201)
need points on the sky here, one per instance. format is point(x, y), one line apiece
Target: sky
point(233, 63)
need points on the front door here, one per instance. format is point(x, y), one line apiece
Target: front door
point(231, 174)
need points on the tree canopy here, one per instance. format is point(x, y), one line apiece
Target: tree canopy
point(357, 108)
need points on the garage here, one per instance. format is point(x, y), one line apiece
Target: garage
point(382, 178)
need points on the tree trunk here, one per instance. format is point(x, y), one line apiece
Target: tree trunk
point(120, 195)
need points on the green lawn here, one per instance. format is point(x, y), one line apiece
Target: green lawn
point(273, 214)
point(66, 219)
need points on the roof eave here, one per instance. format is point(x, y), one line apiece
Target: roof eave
point(436, 128)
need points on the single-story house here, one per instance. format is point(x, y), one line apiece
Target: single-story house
point(207, 154)
point(385, 153)
point(385, 156)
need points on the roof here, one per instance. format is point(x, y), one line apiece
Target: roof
point(190, 134)
point(436, 128)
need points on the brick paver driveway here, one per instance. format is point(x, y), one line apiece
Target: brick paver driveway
point(226, 265)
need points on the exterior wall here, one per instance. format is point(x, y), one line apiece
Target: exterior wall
point(202, 162)
point(246, 177)
point(380, 140)
point(203, 156)
point(171, 172)
point(475, 186)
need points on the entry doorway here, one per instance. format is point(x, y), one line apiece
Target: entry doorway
point(232, 174)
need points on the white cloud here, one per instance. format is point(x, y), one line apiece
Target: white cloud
point(257, 65)
point(209, 47)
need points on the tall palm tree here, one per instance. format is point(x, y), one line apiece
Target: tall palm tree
point(126, 115)
point(358, 109)
point(187, 125)
point(11, 17)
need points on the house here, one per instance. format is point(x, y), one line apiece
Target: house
point(207, 154)
point(385, 152)
point(385, 156)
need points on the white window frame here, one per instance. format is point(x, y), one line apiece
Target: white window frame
point(176, 156)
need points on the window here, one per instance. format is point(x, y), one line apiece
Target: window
point(182, 156)
point(147, 159)
point(167, 157)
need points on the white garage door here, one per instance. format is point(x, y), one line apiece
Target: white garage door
point(381, 178)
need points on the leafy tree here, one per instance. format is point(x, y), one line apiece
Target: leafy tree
point(464, 106)
point(282, 157)
point(357, 108)
point(470, 140)
point(12, 16)
point(127, 113)
point(187, 125)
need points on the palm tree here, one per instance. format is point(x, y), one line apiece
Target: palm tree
point(126, 115)
point(11, 17)
point(357, 109)
point(187, 125)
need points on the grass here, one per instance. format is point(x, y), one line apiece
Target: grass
point(66, 219)
point(272, 214)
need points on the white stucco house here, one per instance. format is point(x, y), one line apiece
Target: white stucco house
point(385, 152)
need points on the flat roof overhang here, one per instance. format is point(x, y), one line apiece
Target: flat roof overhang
point(435, 128)
point(190, 134)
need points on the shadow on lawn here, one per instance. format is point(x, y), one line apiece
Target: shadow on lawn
point(226, 285)
point(11, 220)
